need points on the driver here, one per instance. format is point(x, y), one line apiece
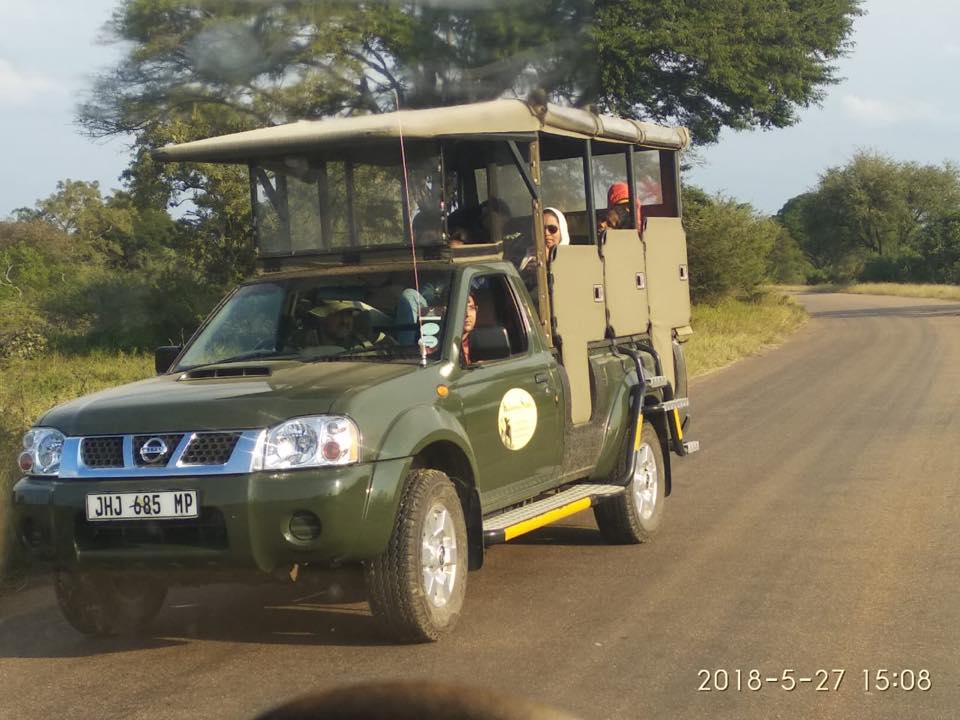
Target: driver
point(340, 324)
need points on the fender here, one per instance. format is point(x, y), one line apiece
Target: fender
point(618, 422)
point(422, 425)
point(411, 432)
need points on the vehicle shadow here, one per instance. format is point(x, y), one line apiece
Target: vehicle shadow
point(908, 311)
point(561, 535)
point(265, 615)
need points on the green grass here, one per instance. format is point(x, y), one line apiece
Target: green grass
point(939, 292)
point(733, 329)
point(917, 290)
point(28, 388)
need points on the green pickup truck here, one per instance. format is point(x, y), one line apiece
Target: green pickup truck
point(457, 335)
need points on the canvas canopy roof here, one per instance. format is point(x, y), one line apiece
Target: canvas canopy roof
point(495, 117)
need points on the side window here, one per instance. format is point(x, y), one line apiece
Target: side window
point(497, 307)
point(646, 171)
point(657, 182)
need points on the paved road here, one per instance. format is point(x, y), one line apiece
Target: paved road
point(817, 530)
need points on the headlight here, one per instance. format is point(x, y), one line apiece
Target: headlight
point(42, 448)
point(318, 441)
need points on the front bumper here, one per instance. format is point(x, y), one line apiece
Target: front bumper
point(244, 521)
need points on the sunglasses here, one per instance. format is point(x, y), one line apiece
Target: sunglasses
point(552, 229)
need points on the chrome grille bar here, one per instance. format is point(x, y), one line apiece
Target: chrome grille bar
point(249, 444)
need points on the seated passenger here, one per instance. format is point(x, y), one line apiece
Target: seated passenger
point(426, 227)
point(618, 209)
point(479, 224)
point(555, 230)
point(461, 224)
point(555, 233)
point(469, 323)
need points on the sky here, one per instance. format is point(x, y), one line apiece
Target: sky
point(897, 96)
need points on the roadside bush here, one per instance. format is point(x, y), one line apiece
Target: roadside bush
point(30, 387)
point(728, 244)
point(786, 263)
point(161, 304)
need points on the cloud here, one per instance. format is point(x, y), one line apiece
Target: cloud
point(19, 88)
point(876, 111)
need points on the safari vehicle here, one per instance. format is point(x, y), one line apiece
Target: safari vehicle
point(345, 408)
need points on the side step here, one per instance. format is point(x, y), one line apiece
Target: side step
point(518, 521)
point(668, 405)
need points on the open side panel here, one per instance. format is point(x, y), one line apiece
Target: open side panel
point(668, 280)
point(625, 272)
point(579, 314)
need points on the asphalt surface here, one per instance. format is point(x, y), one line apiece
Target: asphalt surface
point(817, 530)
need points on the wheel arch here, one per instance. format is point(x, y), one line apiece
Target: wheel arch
point(659, 422)
point(452, 459)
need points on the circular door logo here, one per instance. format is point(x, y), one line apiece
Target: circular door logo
point(517, 420)
point(153, 450)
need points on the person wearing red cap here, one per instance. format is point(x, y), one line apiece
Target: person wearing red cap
point(618, 208)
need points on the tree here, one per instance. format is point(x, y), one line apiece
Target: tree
point(113, 227)
point(870, 214)
point(741, 64)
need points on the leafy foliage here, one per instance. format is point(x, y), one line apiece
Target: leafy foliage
point(82, 271)
point(739, 64)
point(728, 245)
point(881, 220)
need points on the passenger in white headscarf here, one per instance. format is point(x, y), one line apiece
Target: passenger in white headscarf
point(554, 233)
point(555, 229)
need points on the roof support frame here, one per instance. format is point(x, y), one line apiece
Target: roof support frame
point(524, 168)
point(588, 190)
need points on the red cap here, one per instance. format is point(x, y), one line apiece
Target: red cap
point(618, 193)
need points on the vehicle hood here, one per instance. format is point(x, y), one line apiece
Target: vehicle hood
point(173, 403)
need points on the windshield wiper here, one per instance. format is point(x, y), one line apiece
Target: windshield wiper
point(254, 355)
point(369, 354)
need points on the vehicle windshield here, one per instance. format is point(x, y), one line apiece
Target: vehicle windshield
point(373, 316)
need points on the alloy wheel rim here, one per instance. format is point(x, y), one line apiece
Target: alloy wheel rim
point(439, 556)
point(646, 478)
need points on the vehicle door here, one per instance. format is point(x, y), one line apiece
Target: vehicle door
point(511, 409)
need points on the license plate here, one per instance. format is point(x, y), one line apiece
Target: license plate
point(143, 506)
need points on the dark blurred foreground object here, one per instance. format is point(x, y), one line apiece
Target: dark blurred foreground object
point(413, 701)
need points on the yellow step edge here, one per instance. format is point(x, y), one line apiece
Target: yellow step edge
point(538, 522)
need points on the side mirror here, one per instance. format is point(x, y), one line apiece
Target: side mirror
point(164, 356)
point(489, 343)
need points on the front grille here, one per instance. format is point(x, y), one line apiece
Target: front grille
point(210, 449)
point(208, 531)
point(188, 452)
point(102, 452)
point(139, 441)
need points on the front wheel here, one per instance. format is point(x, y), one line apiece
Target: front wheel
point(417, 585)
point(635, 516)
point(106, 604)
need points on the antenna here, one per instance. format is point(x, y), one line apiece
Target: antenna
point(413, 240)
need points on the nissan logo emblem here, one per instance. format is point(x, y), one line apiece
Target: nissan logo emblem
point(153, 450)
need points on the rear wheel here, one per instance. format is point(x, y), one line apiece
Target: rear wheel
point(107, 604)
point(418, 584)
point(635, 516)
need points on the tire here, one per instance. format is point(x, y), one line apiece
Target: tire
point(417, 586)
point(635, 516)
point(105, 604)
